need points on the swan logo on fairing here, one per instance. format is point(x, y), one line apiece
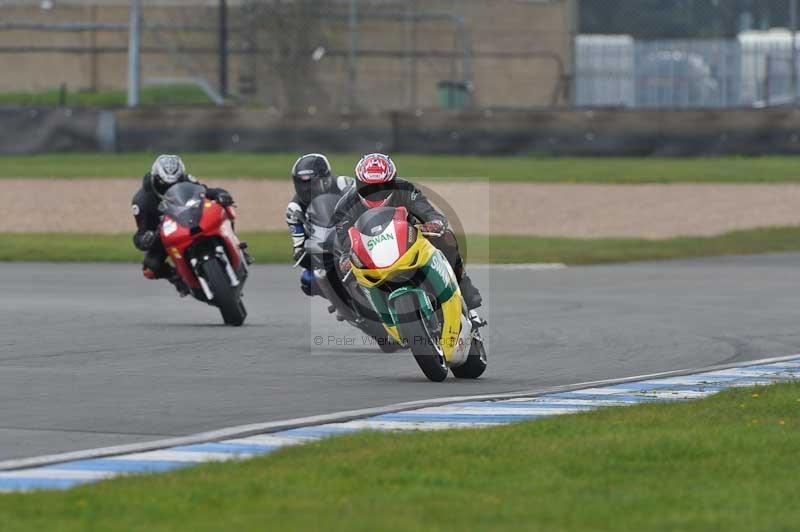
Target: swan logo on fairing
point(372, 242)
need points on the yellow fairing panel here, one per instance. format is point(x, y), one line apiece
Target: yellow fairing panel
point(414, 258)
point(417, 256)
point(451, 328)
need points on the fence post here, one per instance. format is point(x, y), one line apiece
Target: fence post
point(223, 49)
point(353, 56)
point(134, 38)
point(573, 26)
point(767, 85)
point(793, 23)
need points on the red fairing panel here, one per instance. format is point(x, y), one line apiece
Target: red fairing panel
point(214, 223)
point(359, 249)
point(178, 237)
point(401, 230)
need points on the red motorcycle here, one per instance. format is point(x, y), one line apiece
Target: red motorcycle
point(202, 245)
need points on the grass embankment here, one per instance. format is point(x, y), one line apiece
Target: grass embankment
point(156, 95)
point(522, 169)
point(273, 247)
point(728, 462)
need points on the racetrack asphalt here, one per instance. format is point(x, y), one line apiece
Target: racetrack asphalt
point(94, 355)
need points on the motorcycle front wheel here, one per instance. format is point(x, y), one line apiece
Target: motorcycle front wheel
point(225, 297)
point(415, 329)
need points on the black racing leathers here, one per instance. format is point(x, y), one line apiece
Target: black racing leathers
point(420, 210)
point(148, 218)
point(405, 194)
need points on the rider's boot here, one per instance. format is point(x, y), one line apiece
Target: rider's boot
point(477, 323)
point(472, 297)
point(168, 272)
point(247, 258)
point(179, 284)
point(308, 284)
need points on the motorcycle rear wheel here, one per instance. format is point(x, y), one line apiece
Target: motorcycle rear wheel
point(225, 297)
point(424, 346)
point(475, 364)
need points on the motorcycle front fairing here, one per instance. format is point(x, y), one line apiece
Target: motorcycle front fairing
point(193, 227)
point(392, 258)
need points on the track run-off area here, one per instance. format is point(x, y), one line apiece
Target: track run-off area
point(93, 355)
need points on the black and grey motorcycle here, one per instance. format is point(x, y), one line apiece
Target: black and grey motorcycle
point(347, 300)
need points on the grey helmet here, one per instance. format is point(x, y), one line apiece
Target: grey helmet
point(167, 170)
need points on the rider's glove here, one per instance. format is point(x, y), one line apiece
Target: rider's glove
point(434, 228)
point(224, 198)
point(344, 264)
point(147, 239)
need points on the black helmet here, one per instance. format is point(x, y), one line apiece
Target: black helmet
point(312, 176)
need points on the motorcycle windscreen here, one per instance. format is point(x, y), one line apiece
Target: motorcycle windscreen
point(321, 210)
point(184, 203)
point(320, 239)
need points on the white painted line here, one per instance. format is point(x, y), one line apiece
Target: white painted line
point(531, 267)
point(573, 402)
point(267, 439)
point(675, 394)
point(180, 456)
point(56, 474)
point(645, 394)
point(605, 391)
point(745, 383)
point(411, 425)
point(692, 381)
point(759, 373)
point(498, 411)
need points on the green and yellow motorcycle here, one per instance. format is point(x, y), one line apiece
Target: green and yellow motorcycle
point(414, 291)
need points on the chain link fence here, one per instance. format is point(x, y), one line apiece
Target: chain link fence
point(83, 46)
point(310, 55)
point(686, 54)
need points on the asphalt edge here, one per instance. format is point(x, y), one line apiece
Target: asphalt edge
point(243, 431)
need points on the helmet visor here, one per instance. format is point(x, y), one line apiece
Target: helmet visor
point(375, 191)
point(308, 189)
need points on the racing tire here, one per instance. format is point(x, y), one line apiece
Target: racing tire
point(379, 335)
point(387, 345)
point(423, 345)
point(475, 364)
point(225, 297)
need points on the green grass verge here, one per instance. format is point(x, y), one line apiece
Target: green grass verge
point(523, 169)
point(728, 462)
point(157, 95)
point(270, 247)
point(273, 247)
point(513, 249)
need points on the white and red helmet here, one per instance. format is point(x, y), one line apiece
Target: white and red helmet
point(375, 175)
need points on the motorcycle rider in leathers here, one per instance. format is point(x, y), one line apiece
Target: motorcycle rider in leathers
point(167, 170)
point(312, 176)
point(378, 186)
